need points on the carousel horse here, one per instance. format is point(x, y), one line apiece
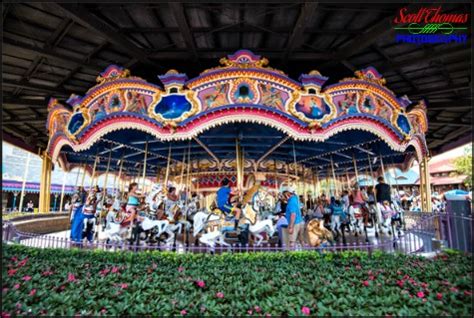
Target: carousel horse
point(257, 226)
point(390, 216)
point(318, 235)
point(217, 223)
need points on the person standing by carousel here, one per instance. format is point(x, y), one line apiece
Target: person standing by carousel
point(295, 229)
point(382, 191)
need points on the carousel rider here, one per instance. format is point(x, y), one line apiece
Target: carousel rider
point(172, 198)
point(132, 204)
point(224, 204)
point(84, 216)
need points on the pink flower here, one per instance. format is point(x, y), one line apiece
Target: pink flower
point(18, 305)
point(4, 290)
point(12, 272)
point(180, 269)
point(16, 286)
point(249, 311)
point(220, 295)
point(32, 292)
point(453, 289)
point(365, 283)
point(425, 300)
point(467, 293)
point(26, 278)
point(5, 315)
point(400, 283)
point(115, 269)
point(371, 277)
point(305, 310)
point(420, 294)
point(47, 273)
point(257, 309)
point(201, 284)
point(14, 259)
point(104, 272)
point(267, 315)
point(23, 262)
point(183, 312)
point(424, 285)
point(71, 277)
point(358, 267)
point(439, 296)
point(103, 311)
point(124, 286)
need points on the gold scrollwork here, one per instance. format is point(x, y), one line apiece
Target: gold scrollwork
point(394, 119)
point(78, 109)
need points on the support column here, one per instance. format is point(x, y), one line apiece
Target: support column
point(45, 183)
point(425, 186)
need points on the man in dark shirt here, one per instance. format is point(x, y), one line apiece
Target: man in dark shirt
point(382, 191)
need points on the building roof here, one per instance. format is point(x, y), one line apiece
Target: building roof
point(56, 49)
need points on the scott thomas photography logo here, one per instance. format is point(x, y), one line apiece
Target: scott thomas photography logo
point(430, 25)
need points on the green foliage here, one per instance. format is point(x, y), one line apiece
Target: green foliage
point(463, 166)
point(70, 282)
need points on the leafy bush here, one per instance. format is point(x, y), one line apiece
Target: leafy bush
point(71, 282)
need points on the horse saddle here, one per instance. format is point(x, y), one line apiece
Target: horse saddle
point(228, 217)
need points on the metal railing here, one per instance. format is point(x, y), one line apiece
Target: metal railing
point(422, 234)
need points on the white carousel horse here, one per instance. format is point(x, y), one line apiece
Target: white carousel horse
point(257, 226)
point(213, 224)
point(356, 218)
point(390, 214)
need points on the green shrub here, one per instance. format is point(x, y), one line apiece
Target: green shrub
point(70, 282)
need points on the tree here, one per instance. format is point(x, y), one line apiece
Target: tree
point(463, 165)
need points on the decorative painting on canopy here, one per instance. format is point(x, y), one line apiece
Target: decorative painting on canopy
point(242, 89)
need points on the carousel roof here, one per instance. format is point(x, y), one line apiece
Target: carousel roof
point(55, 49)
point(276, 120)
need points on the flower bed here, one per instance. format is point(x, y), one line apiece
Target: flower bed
point(70, 282)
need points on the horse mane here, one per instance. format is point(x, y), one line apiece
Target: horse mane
point(250, 193)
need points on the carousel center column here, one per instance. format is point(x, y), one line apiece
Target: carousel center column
point(45, 184)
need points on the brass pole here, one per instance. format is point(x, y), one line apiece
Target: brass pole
point(334, 177)
point(144, 166)
point(371, 171)
point(23, 185)
point(355, 167)
point(167, 174)
point(104, 193)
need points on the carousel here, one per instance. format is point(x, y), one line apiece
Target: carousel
point(244, 124)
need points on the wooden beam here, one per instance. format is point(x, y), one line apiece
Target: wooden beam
point(37, 87)
point(362, 41)
point(178, 12)
point(30, 103)
point(425, 57)
point(297, 35)
point(19, 120)
point(449, 137)
point(435, 90)
point(50, 54)
point(455, 123)
point(217, 54)
point(83, 17)
point(239, 29)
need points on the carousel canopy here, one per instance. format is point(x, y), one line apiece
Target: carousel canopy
point(277, 122)
point(55, 49)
